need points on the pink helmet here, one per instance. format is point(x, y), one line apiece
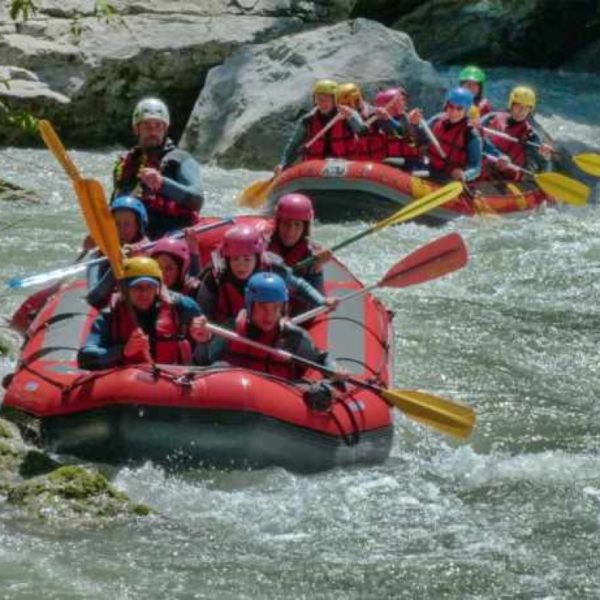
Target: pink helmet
point(176, 248)
point(384, 97)
point(242, 240)
point(295, 206)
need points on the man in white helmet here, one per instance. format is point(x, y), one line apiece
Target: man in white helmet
point(166, 179)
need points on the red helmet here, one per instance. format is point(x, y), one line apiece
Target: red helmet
point(176, 248)
point(242, 240)
point(384, 97)
point(295, 206)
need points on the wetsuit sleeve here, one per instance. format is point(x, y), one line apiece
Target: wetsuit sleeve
point(356, 124)
point(99, 352)
point(305, 348)
point(489, 148)
point(294, 145)
point(186, 188)
point(101, 284)
point(534, 156)
point(214, 350)
point(316, 280)
point(188, 309)
point(207, 297)
point(195, 268)
point(473, 170)
point(301, 289)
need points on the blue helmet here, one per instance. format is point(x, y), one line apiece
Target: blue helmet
point(460, 97)
point(135, 205)
point(265, 287)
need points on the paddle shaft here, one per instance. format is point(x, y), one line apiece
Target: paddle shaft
point(319, 310)
point(285, 355)
point(74, 269)
point(509, 138)
point(509, 165)
point(432, 138)
point(412, 210)
point(323, 131)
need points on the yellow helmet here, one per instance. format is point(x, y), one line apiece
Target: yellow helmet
point(522, 95)
point(141, 267)
point(325, 86)
point(349, 94)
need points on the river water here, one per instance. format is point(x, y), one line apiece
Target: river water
point(513, 513)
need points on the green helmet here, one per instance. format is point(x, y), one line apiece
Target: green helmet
point(472, 73)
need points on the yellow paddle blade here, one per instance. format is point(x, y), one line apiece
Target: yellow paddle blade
point(100, 222)
point(422, 205)
point(441, 414)
point(588, 163)
point(256, 193)
point(55, 146)
point(563, 188)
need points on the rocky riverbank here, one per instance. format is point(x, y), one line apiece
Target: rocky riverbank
point(85, 70)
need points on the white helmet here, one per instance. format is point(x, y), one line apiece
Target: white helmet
point(150, 108)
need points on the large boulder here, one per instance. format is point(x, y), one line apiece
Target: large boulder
point(86, 70)
point(533, 33)
point(249, 105)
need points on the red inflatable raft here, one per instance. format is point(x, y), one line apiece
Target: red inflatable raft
point(187, 416)
point(343, 189)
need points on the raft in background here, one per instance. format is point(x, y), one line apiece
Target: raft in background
point(223, 417)
point(344, 190)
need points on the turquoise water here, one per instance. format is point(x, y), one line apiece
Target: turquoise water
point(513, 513)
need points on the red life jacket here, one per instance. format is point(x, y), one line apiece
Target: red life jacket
point(168, 342)
point(126, 175)
point(453, 138)
point(230, 297)
point(337, 142)
point(242, 355)
point(294, 254)
point(517, 129)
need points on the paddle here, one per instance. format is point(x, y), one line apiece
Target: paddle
point(589, 162)
point(57, 148)
point(433, 260)
point(256, 194)
point(100, 223)
point(411, 211)
point(441, 414)
point(23, 282)
point(556, 185)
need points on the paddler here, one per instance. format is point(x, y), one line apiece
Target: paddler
point(517, 123)
point(336, 142)
point(263, 320)
point(156, 325)
point(473, 79)
point(459, 140)
point(294, 216)
point(242, 254)
point(165, 178)
point(395, 133)
point(179, 262)
point(131, 219)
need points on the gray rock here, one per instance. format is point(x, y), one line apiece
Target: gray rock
point(88, 71)
point(533, 33)
point(587, 60)
point(249, 105)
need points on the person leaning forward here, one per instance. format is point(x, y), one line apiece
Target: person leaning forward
point(155, 328)
point(165, 178)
